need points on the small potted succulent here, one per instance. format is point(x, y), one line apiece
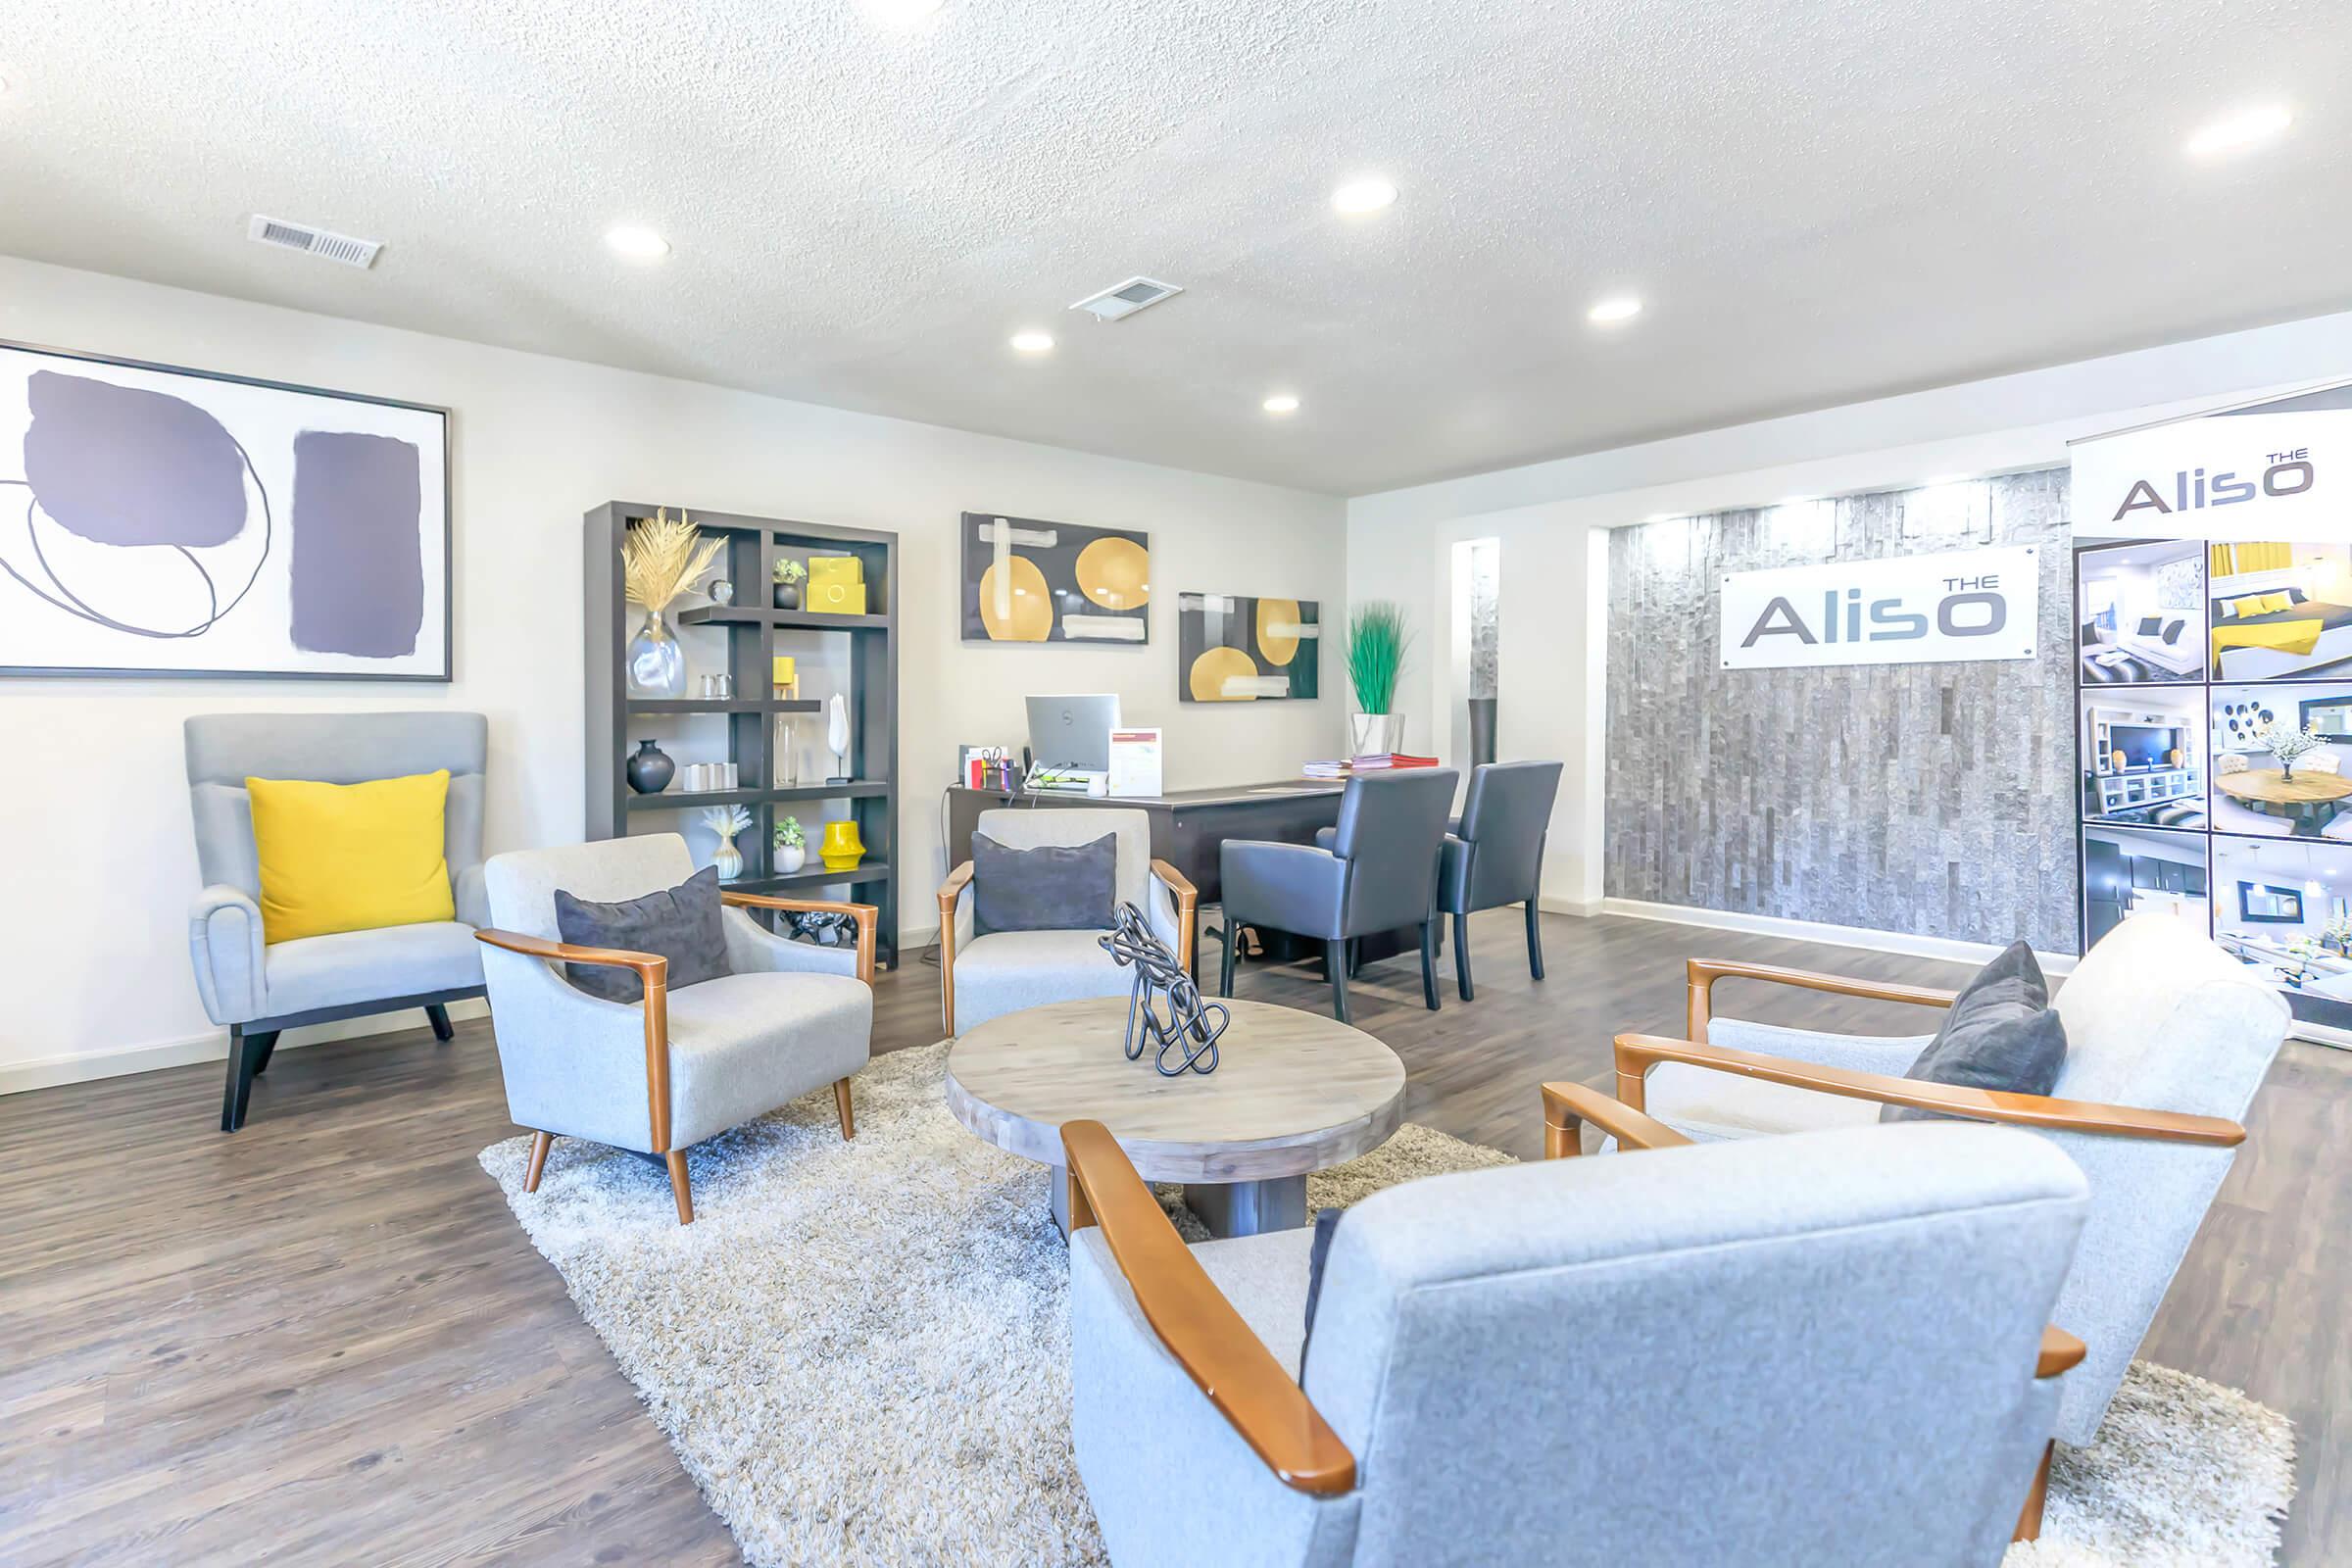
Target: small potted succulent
point(791, 847)
point(789, 574)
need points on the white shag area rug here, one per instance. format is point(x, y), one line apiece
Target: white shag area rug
point(861, 1351)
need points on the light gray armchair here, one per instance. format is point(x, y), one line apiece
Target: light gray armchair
point(2168, 1038)
point(659, 1075)
point(1828, 1350)
point(257, 989)
point(986, 976)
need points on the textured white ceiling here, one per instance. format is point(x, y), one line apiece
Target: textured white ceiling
point(1820, 199)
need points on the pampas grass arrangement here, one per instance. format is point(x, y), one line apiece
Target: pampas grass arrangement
point(660, 560)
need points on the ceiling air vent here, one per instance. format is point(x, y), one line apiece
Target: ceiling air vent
point(1136, 294)
point(314, 241)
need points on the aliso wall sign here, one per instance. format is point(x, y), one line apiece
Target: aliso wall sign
point(1914, 610)
point(2227, 476)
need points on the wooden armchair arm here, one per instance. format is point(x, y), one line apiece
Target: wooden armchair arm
point(1566, 1107)
point(950, 892)
point(1200, 1328)
point(1188, 905)
point(653, 970)
point(1704, 972)
point(1638, 1053)
point(865, 915)
point(2061, 1352)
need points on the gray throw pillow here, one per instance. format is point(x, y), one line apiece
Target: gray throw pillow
point(1053, 888)
point(2001, 1034)
point(682, 924)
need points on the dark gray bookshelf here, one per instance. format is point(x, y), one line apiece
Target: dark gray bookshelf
point(752, 631)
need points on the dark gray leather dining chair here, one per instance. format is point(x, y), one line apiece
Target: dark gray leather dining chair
point(1378, 873)
point(1494, 853)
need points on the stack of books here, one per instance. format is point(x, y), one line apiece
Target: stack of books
point(1379, 763)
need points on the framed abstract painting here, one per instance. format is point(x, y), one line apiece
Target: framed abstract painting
point(1232, 648)
point(164, 522)
point(1030, 581)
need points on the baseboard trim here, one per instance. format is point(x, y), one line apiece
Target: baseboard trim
point(1839, 936)
point(1582, 908)
point(49, 1072)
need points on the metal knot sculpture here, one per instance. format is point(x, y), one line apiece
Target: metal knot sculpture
point(1164, 1009)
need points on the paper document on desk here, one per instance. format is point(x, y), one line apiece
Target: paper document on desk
point(1135, 761)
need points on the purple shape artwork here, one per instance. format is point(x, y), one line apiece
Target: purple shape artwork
point(356, 571)
point(119, 466)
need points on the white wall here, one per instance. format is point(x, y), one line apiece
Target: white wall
point(1549, 515)
point(100, 863)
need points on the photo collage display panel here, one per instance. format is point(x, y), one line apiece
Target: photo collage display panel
point(2213, 737)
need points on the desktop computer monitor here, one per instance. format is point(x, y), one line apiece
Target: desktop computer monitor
point(1072, 731)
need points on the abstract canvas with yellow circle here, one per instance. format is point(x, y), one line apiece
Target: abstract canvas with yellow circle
point(1026, 580)
point(1234, 648)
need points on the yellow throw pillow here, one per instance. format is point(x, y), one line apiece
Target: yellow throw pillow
point(2270, 602)
point(351, 856)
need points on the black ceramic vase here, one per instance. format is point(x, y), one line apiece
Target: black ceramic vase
point(651, 769)
point(788, 596)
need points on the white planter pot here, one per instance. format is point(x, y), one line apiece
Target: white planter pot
point(790, 858)
point(1374, 734)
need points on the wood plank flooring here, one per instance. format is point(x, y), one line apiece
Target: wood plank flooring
point(323, 1340)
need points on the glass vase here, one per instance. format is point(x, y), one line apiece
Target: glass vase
point(657, 663)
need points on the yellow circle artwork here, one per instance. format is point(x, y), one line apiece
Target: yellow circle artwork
point(1115, 573)
point(1032, 612)
point(1278, 630)
point(1214, 668)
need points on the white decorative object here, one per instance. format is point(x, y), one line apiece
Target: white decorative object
point(726, 821)
point(1135, 761)
point(837, 736)
point(2286, 742)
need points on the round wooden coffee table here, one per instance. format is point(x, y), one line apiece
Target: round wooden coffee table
point(1293, 1091)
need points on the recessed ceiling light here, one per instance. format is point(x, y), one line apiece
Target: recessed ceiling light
point(900, 13)
point(2241, 131)
point(1281, 403)
point(1609, 312)
point(1366, 195)
point(1033, 342)
point(637, 243)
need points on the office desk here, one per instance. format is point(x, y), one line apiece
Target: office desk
point(1186, 827)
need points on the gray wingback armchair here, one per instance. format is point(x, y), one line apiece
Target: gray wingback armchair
point(663, 1073)
point(986, 975)
point(1703, 1355)
point(1494, 854)
point(1375, 870)
point(257, 987)
point(2168, 1038)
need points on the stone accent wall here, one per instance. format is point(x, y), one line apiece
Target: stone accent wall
point(1935, 799)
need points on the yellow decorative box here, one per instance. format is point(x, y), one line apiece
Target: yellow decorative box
point(837, 585)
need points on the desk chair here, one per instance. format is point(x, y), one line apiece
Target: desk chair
point(1377, 871)
point(1494, 854)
